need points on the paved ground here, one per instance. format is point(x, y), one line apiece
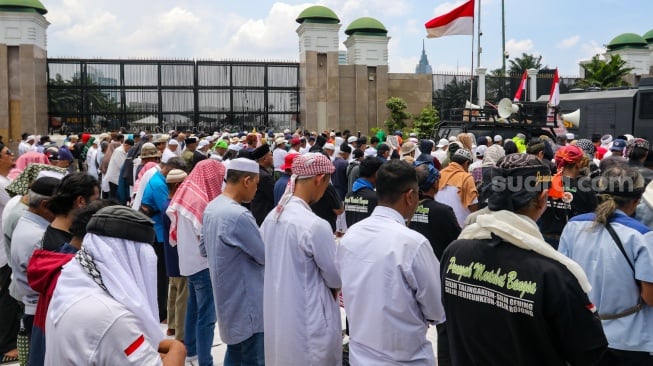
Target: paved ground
point(220, 348)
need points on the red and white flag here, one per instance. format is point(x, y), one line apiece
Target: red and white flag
point(554, 95)
point(522, 87)
point(554, 100)
point(458, 21)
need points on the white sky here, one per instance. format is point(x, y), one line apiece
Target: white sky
point(562, 31)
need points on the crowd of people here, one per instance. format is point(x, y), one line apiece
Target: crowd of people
point(128, 249)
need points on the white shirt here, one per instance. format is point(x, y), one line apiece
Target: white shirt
point(301, 316)
point(25, 147)
point(188, 248)
point(449, 196)
point(440, 154)
point(370, 151)
point(110, 332)
point(91, 156)
point(167, 154)
point(4, 199)
point(115, 164)
point(391, 290)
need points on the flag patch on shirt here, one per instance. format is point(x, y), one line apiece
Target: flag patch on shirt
point(134, 346)
point(591, 308)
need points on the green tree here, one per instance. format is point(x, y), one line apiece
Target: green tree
point(525, 62)
point(453, 95)
point(604, 74)
point(398, 114)
point(496, 86)
point(426, 122)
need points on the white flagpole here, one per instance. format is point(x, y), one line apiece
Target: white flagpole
point(471, 79)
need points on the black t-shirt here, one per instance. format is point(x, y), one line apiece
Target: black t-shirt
point(325, 206)
point(359, 205)
point(579, 199)
point(53, 238)
point(437, 222)
point(509, 306)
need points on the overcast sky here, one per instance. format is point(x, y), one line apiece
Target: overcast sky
point(562, 31)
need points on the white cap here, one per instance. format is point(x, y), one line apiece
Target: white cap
point(329, 146)
point(570, 136)
point(280, 140)
point(498, 138)
point(332, 134)
point(286, 131)
point(244, 165)
point(480, 150)
point(202, 144)
point(453, 139)
point(352, 139)
point(173, 142)
point(442, 143)
point(31, 138)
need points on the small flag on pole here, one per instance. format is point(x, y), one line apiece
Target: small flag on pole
point(521, 88)
point(459, 21)
point(554, 99)
point(554, 95)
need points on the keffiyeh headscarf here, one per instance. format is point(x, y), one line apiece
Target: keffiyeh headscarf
point(567, 155)
point(304, 166)
point(203, 184)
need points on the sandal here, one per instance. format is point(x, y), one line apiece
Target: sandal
point(8, 359)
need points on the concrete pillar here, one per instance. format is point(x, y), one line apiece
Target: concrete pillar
point(532, 91)
point(481, 71)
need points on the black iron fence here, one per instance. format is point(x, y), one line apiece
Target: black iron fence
point(159, 95)
point(452, 90)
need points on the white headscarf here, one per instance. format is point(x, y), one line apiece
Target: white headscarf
point(128, 271)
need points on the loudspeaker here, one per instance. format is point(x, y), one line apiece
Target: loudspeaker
point(506, 108)
point(571, 119)
point(469, 105)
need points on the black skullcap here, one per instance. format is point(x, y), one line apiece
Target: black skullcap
point(191, 140)
point(111, 221)
point(129, 142)
point(260, 152)
point(45, 186)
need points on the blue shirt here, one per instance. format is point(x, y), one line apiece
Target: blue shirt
point(232, 243)
point(280, 187)
point(614, 289)
point(155, 197)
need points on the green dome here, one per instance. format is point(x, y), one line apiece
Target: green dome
point(317, 14)
point(627, 40)
point(648, 36)
point(23, 6)
point(366, 25)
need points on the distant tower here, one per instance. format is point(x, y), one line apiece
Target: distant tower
point(23, 66)
point(319, 78)
point(423, 66)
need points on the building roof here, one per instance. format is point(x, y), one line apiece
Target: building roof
point(366, 25)
point(317, 14)
point(648, 36)
point(630, 40)
point(23, 6)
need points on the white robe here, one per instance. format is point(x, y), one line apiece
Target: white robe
point(301, 316)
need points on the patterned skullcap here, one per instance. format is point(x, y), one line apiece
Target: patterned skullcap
point(636, 143)
point(587, 146)
point(517, 179)
point(462, 154)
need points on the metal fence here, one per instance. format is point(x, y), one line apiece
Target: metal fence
point(159, 95)
point(452, 90)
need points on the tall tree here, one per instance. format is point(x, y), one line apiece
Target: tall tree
point(604, 74)
point(454, 95)
point(525, 62)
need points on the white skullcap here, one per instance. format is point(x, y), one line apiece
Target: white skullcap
point(202, 144)
point(352, 139)
point(329, 146)
point(49, 173)
point(498, 138)
point(173, 142)
point(244, 165)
